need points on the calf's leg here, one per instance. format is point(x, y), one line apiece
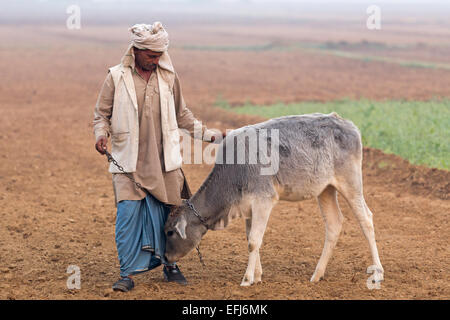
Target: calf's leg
point(351, 189)
point(333, 219)
point(261, 209)
point(258, 267)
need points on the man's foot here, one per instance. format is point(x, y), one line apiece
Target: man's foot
point(173, 274)
point(124, 284)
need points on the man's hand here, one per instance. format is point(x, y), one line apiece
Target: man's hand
point(224, 134)
point(100, 145)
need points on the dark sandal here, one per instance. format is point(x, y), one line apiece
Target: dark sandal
point(173, 274)
point(124, 284)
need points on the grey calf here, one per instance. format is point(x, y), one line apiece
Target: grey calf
point(318, 156)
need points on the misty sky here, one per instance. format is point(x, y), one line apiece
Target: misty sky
point(120, 11)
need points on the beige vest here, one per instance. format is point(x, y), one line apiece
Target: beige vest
point(125, 123)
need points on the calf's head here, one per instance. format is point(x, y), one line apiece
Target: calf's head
point(183, 233)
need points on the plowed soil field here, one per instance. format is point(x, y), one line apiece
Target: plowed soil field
point(57, 201)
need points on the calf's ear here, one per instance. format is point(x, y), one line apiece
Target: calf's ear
point(180, 226)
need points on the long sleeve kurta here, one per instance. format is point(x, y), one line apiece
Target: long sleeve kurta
point(168, 187)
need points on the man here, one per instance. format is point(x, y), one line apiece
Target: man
point(141, 107)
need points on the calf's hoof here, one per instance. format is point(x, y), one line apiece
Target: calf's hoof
point(246, 282)
point(378, 275)
point(316, 277)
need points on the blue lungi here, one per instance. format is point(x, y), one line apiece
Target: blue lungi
point(140, 237)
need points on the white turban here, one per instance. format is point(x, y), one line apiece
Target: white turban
point(153, 37)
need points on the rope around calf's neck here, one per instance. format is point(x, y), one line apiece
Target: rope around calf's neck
point(203, 221)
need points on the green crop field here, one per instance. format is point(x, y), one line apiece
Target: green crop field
point(415, 130)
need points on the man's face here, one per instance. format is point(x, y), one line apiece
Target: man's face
point(147, 59)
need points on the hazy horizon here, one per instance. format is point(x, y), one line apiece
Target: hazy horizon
point(125, 12)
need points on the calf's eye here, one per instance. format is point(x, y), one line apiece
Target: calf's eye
point(170, 233)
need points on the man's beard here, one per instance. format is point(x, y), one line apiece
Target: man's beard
point(149, 67)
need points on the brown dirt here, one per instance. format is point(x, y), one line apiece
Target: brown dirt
point(57, 198)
